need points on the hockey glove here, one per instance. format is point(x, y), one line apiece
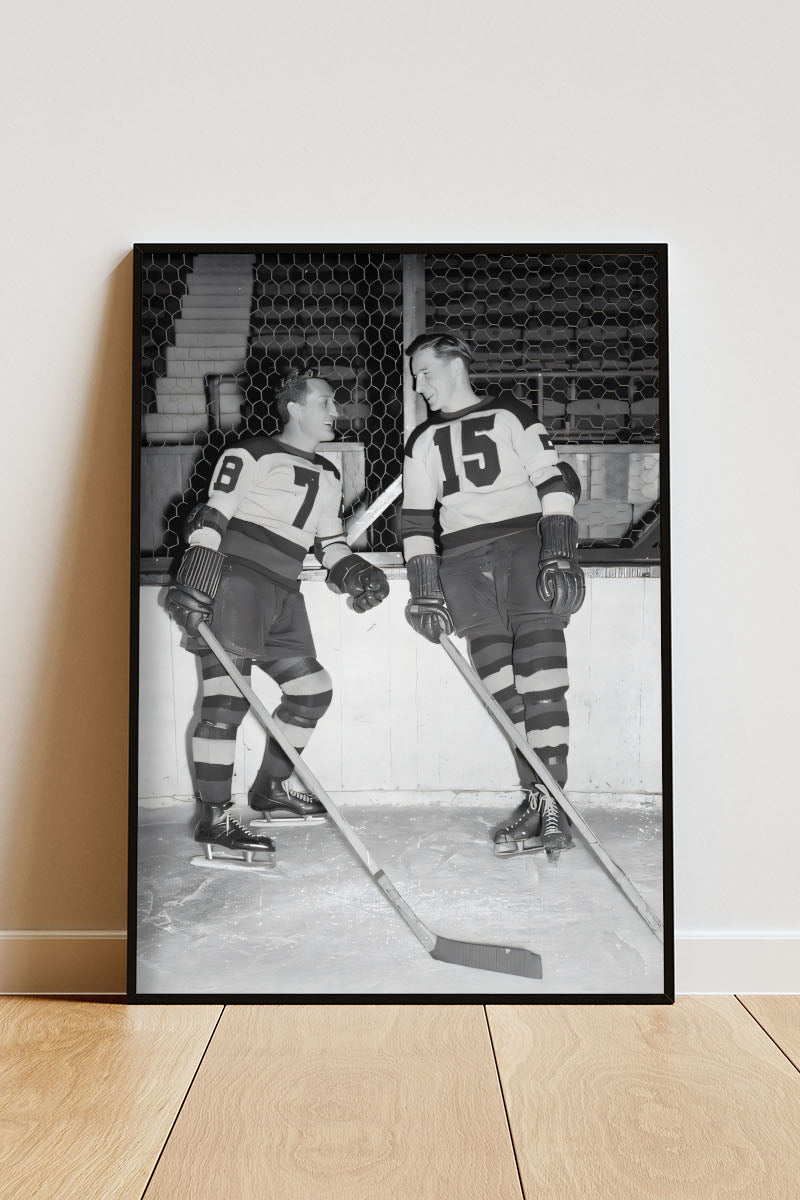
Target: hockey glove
point(365, 584)
point(191, 599)
point(425, 611)
point(560, 582)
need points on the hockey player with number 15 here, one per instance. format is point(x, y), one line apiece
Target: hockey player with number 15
point(508, 579)
point(269, 501)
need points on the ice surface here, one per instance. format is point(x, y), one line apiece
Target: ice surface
point(317, 925)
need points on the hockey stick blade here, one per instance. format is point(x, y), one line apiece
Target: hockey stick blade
point(509, 960)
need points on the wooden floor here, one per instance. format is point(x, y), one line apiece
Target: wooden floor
point(363, 1102)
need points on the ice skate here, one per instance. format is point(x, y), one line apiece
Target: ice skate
point(229, 845)
point(521, 832)
point(284, 802)
point(555, 828)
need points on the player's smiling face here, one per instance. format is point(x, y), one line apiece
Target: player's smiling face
point(434, 378)
point(316, 415)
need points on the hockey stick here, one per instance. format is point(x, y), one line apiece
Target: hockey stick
point(359, 522)
point(510, 960)
point(597, 848)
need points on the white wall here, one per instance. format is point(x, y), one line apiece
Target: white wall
point(461, 122)
point(403, 718)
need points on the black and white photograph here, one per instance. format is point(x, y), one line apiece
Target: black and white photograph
point(400, 676)
point(400, 625)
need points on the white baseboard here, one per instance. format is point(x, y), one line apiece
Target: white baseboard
point(90, 962)
point(724, 963)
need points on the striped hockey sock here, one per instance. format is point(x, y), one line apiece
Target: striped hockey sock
point(491, 656)
point(222, 711)
point(540, 664)
point(306, 693)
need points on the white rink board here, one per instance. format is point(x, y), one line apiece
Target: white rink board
point(402, 717)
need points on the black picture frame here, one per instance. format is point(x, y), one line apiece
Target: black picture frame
point(535, 996)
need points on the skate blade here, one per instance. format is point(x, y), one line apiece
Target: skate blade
point(275, 823)
point(226, 862)
point(527, 846)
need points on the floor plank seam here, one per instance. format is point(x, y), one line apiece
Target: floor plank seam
point(790, 1060)
point(505, 1106)
point(182, 1103)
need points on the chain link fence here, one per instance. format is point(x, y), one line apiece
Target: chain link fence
point(232, 324)
point(163, 287)
point(573, 335)
point(576, 337)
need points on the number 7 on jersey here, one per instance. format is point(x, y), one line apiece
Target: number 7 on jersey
point(308, 479)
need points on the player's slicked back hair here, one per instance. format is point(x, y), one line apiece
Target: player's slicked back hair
point(292, 389)
point(444, 345)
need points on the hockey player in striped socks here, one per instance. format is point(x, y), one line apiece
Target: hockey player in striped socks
point(270, 501)
point(507, 579)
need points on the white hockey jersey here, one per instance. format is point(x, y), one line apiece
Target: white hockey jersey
point(268, 503)
point(490, 470)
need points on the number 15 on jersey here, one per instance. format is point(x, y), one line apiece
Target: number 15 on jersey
point(479, 456)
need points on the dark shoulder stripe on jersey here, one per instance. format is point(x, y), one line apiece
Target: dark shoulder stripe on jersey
point(416, 522)
point(327, 465)
point(418, 432)
point(295, 451)
point(525, 413)
point(257, 447)
point(485, 402)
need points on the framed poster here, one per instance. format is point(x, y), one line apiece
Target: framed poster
point(400, 716)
